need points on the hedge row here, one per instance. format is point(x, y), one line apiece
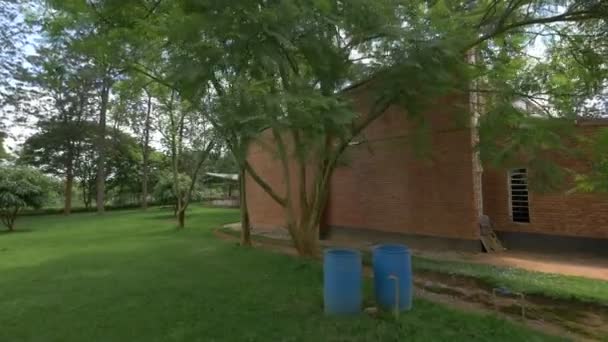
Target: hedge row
point(58, 211)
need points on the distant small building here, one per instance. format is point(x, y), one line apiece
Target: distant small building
point(225, 186)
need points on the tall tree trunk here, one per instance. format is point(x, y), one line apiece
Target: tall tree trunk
point(69, 181)
point(101, 146)
point(183, 203)
point(146, 153)
point(87, 192)
point(67, 196)
point(245, 225)
point(176, 149)
point(11, 219)
point(176, 189)
point(306, 240)
point(181, 218)
point(303, 222)
point(86, 198)
point(144, 183)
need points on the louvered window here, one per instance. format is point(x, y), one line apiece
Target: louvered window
point(519, 199)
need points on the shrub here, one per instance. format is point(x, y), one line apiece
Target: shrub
point(164, 190)
point(21, 187)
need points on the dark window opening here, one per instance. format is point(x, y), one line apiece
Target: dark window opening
point(519, 196)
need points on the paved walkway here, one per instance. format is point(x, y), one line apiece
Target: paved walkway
point(567, 264)
point(575, 265)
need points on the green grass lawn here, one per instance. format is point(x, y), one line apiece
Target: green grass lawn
point(549, 285)
point(129, 276)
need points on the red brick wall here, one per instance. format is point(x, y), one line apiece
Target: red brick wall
point(385, 186)
point(263, 210)
point(262, 155)
point(381, 185)
point(557, 213)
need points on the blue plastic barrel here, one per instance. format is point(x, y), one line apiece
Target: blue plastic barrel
point(342, 274)
point(392, 276)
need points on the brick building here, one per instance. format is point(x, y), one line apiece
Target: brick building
point(385, 191)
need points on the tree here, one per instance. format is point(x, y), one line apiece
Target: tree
point(86, 170)
point(288, 61)
point(186, 134)
point(62, 148)
point(165, 193)
point(68, 150)
point(596, 178)
point(232, 121)
point(21, 187)
point(3, 153)
point(145, 146)
point(88, 33)
point(13, 39)
point(64, 87)
point(532, 100)
point(135, 107)
point(289, 81)
point(123, 166)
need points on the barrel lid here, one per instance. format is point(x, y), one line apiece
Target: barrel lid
point(393, 248)
point(340, 251)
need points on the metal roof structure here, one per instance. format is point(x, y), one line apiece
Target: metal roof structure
point(228, 176)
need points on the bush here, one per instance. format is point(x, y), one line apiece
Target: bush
point(75, 210)
point(21, 187)
point(164, 190)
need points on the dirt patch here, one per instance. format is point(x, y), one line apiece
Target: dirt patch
point(460, 304)
point(581, 265)
point(571, 319)
point(575, 319)
point(571, 264)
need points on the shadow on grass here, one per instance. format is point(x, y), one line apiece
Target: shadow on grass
point(162, 213)
point(165, 232)
point(16, 231)
point(160, 216)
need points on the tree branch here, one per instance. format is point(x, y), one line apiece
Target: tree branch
point(284, 161)
point(152, 9)
point(564, 17)
point(196, 171)
point(280, 200)
point(153, 77)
